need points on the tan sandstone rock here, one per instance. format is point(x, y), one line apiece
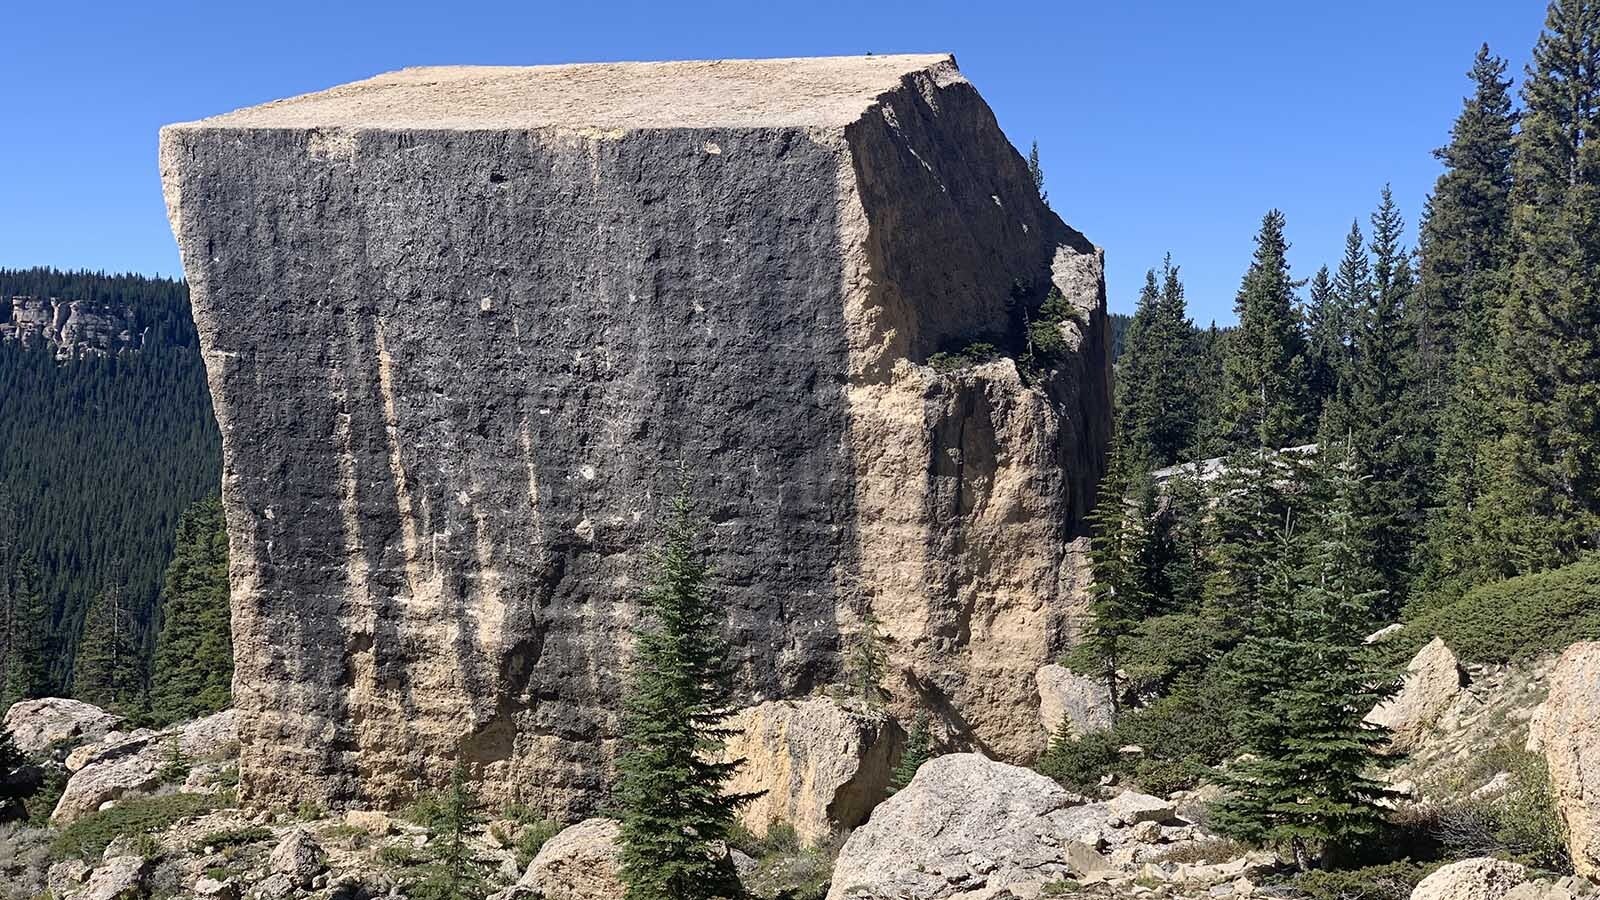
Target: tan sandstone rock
point(1433, 679)
point(965, 823)
point(38, 725)
point(1566, 730)
point(140, 762)
point(580, 863)
point(478, 313)
point(820, 766)
point(1481, 878)
point(1079, 699)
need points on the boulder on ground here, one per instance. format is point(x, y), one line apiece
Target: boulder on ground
point(377, 824)
point(1480, 878)
point(580, 863)
point(964, 823)
point(820, 766)
point(118, 878)
point(1082, 701)
point(1433, 680)
point(38, 725)
point(298, 856)
point(1566, 730)
point(1132, 807)
point(1572, 887)
point(133, 764)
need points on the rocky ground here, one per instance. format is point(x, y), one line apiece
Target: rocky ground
point(152, 813)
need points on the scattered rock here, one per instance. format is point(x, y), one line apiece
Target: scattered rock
point(1480, 878)
point(298, 856)
point(1082, 701)
point(39, 725)
point(1085, 860)
point(66, 876)
point(580, 863)
point(1384, 632)
point(1133, 807)
point(373, 822)
point(1566, 729)
point(122, 765)
point(822, 766)
point(118, 878)
point(1433, 679)
point(965, 822)
point(1147, 832)
point(276, 886)
point(212, 889)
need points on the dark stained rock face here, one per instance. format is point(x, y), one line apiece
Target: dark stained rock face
point(465, 327)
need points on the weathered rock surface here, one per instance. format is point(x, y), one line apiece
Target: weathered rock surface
point(1081, 700)
point(964, 822)
point(1481, 878)
point(580, 863)
point(118, 878)
point(1433, 680)
point(1566, 729)
point(820, 766)
point(38, 725)
point(462, 323)
point(298, 856)
point(123, 765)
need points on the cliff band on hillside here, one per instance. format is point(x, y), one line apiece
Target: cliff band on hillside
point(463, 326)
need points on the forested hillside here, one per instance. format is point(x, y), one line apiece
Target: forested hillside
point(1443, 408)
point(99, 454)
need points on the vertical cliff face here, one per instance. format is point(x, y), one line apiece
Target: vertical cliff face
point(464, 326)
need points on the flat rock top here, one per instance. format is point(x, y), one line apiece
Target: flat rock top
point(743, 93)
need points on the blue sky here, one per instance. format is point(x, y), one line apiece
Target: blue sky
point(1163, 126)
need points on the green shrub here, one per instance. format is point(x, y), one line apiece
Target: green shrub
point(532, 839)
point(1390, 881)
point(1512, 620)
point(43, 801)
point(1522, 823)
point(971, 355)
point(87, 838)
point(1079, 764)
point(231, 837)
point(786, 870)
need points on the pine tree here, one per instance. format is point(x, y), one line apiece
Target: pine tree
point(1308, 679)
point(1036, 171)
point(192, 672)
point(1325, 342)
point(1541, 503)
point(674, 810)
point(1263, 402)
point(1249, 505)
point(1351, 296)
point(453, 874)
point(1158, 400)
point(869, 659)
point(1376, 413)
point(1120, 595)
point(919, 749)
point(1465, 256)
point(108, 671)
point(28, 661)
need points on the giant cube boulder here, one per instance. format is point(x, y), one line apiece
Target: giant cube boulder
point(463, 326)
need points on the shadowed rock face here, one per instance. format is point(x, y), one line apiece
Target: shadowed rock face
point(463, 327)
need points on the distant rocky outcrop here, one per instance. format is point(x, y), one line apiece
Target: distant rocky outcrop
point(69, 327)
point(38, 726)
point(120, 765)
point(463, 324)
point(1566, 730)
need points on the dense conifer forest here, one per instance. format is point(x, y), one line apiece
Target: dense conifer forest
point(99, 456)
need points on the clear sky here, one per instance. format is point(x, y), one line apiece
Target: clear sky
point(1170, 125)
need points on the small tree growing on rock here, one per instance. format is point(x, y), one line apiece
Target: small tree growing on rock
point(675, 812)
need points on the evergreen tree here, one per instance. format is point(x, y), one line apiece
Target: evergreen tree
point(1541, 503)
point(675, 813)
point(1376, 412)
point(1326, 334)
point(1121, 593)
point(1308, 679)
point(27, 674)
point(108, 671)
point(869, 659)
point(1351, 295)
point(1158, 402)
point(1263, 402)
point(919, 749)
point(453, 875)
point(1036, 172)
point(192, 674)
point(1465, 255)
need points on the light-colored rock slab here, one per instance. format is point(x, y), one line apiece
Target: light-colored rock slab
point(1079, 699)
point(1480, 878)
point(38, 725)
point(1433, 680)
point(580, 863)
point(1566, 730)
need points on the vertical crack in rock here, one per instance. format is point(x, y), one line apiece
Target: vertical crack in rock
point(464, 325)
